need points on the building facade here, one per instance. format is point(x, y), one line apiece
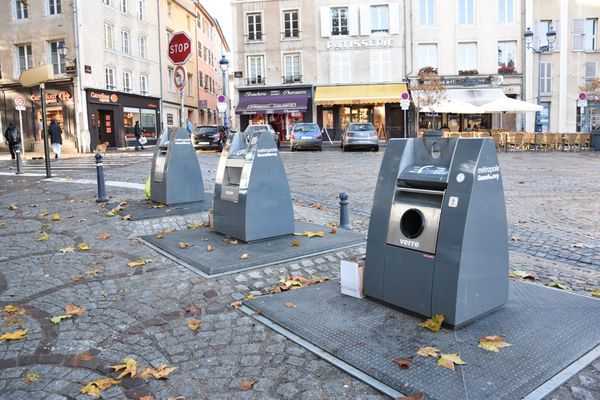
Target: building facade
point(561, 73)
point(33, 31)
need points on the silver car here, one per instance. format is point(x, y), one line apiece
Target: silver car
point(251, 129)
point(360, 135)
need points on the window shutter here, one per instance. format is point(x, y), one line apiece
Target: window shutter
point(542, 78)
point(394, 16)
point(353, 21)
point(590, 70)
point(365, 20)
point(578, 34)
point(556, 45)
point(325, 21)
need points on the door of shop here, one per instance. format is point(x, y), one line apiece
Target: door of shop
point(106, 132)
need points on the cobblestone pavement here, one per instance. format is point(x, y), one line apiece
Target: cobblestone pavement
point(142, 312)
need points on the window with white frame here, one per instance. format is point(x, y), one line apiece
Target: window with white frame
point(127, 82)
point(24, 57)
point(544, 26)
point(144, 84)
point(108, 36)
point(21, 11)
point(340, 67)
point(466, 12)
point(545, 116)
point(426, 12)
point(380, 66)
point(254, 25)
point(380, 19)
point(506, 11)
point(291, 24)
point(141, 9)
point(591, 34)
point(198, 20)
point(125, 41)
point(58, 60)
point(123, 6)
point(109, 78)
point(291, 68)
point(107, 2)
point(589, 72)
point(255, 70)
point(170, 83)
point(427, 54)
point(467, 57)
point(190, 85)
point(54, 7)
point(546, 79)
point(339, 21)
point(507, 54)
point(142, 46)
point(200, 79)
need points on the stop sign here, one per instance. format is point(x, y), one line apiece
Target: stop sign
point(180, 48)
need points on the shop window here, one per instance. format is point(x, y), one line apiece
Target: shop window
point(25, 59)
point(255, 70)
point(148, 122)
point(506, 11)
point(427, 55)
point(142, 45)
point(467, 57)
point(58, 60)
point(254, 26)
point(170, 84)
point(339, 21)
point(21, 11)
point(291, 67)
point(380, 66)
point(379, 19)
point(125, 41)
point(291, 24)
point(108, 36)
point(466, 12)
point(545, 116)
point(340, 67)
point(109, 78)
point(143, 84)
point(127, 82)
point(54, 7)
point(426, 12)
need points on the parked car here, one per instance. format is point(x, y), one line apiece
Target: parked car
point(360, 135)
point(252, 129)
point(306, 136)
point(209, 137)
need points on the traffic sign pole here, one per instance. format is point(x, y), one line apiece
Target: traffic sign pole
point(20, 105)
point(182, 120)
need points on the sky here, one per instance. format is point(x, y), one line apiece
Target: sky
point(221, 11)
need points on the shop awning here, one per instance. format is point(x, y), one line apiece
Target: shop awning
point(474, 101)
point(271, 104)
point(453, 106)
point(359, 94)
point(508, 105)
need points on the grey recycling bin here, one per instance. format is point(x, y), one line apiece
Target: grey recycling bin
point(252, 199)
point(595, 140)
point(176, 176)
point(438, 241)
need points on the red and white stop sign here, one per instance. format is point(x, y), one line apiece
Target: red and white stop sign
point(180, 48)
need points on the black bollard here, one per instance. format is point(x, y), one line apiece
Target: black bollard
point(100, 175)
point(344, 213)
point(17, 149)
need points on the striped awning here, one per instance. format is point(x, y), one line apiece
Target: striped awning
point(360, 94)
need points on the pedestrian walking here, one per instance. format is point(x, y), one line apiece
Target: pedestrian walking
point(13, 138)
point(189, 126)
point(55, 138)
point(137, 131)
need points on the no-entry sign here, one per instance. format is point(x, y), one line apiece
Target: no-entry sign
point(179, 77)
point(180, 48)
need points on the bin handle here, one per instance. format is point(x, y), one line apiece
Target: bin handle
point(421, 191)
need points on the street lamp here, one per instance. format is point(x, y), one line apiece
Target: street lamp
point(551, 37)
point(224, 64)
point(62, 51)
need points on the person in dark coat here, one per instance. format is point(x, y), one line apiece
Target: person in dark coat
point(13, 137)
point(137, 131)
point(55, 138)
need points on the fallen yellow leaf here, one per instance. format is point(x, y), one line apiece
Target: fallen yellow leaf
point(94, 272)
point(244, 256)
point(196, 225)
point(521, 275)
point(168, 230)
point(295, 243)
point(30, 377)
point(194, 324)
point(492, 343)
point(183, 245)
point(236, 304)
point(290, 305)
point(85, 356)
point(129, 367)
point(428, 352)
point(55, 217)
point(138, 263)
point(102, 236)
point(158, 206)
point(73, 310)
point(16, 335)
point(93, 388)
point(76, 278)
point(65, 250)
point(595, 292)
point(434, 323)
point(249, 297)
point(83, 246)
point(577, 245)
point(209, 248)
point(157, 373)
point(230, 241)
point(247, 384)
point(159, 236)
point(556, 284)
point(310, 234)
point(44, 236)
point(403, 363)
point(449, 360)
point(14, 309)
point(58, 318)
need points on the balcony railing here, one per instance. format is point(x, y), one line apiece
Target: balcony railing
point(254, 37)
point(292, 79)
point(257, 80)
point(290, 34)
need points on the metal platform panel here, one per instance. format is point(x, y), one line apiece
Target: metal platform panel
point(553, 333)
point(225, 258)
point(146, 209)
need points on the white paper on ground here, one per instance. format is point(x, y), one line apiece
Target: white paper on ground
point(351, 278)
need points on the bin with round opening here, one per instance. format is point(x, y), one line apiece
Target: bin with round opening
point(412, 223)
